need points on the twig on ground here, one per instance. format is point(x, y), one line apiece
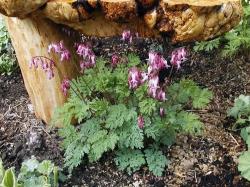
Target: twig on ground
point(234, 139)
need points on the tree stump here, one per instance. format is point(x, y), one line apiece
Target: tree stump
point(37, 25)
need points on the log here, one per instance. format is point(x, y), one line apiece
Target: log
point(198, 20)
point(181, 20)
point(20, 8)
point(30, 38)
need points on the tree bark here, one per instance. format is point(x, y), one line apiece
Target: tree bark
point(20, 8)
point(181, 20)
point(30, 38)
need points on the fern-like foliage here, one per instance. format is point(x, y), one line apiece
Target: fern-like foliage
point(241, 112)
point(107, 112)
point(129, 160)
point(186, 91)
point(156, 161)
point(207, 46)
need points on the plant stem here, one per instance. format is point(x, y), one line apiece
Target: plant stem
point(171, 72)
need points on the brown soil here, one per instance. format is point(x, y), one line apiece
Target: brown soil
point(207, 160)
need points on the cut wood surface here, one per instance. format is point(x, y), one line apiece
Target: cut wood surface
point(20, 8)
point(30, 38)
point(183, 20)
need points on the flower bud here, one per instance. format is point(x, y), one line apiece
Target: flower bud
point(140, 122)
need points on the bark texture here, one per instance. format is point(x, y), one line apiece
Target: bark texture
point(198, 20)
point(183, 20)
point(30, 38)
point(20, 8)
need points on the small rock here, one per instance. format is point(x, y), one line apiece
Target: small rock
point(137, 183)
point(31, 108)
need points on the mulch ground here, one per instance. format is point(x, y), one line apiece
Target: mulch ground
point(207, 160)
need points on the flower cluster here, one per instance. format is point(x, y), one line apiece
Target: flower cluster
point(178, 57)
point(45, 63)
point(88, 56)
point(60, 49)
point(134, 78)
point(162, 112)
point(127, 36)
point(115, 60)
point(156, 63)
point(140, 122)
point(65, 86)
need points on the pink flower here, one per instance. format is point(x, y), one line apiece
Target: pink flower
point(161, 95)
point(134, 78)
point(144, 77)
point(86, 65)
point(89, 58)
point(127, 36)
point(153, 85)
point(46, 64)
point(114, 60)
point(84, 50)
point(65, 86)
point(60, 49)
point(65, 55)
point(50, 74)
point(178, 57)
point(162, 112)
point(140, 122)
point(34, 62)
point(157, 61)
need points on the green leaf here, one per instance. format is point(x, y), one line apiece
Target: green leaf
point(29, 165)
point(168, 136)
point(189, 122)
point(98, 135)
point(245, 134)
point(129, 160)
point(241, 107)
point(201, 98)
point(40, 181)
point(46, 167)
point(186, 91)
point(244, 165)
point(69, 134)
point(104, 144)
point(118, 115)
point(156, 161)
point(9, 179)
point(100, 107)
point(56, 177)
point(148, 106)
point(207, 45)
point(75, 153)
point(1, 170)
point(131, 137)
point(133, 60)
point(152, 130)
